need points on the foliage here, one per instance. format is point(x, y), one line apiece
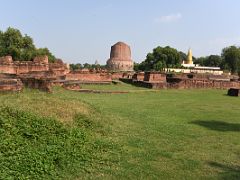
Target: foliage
point(162, 57)
point(229, 60)
point(77, 66)
point(87, 66)
point(231, 56)
point(20, 47)
point(212, 61)
point(136, 66)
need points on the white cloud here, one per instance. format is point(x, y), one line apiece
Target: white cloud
point(169, 18)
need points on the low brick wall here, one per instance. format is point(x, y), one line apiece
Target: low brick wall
point(7, 65)
point(154, 77)
point(10, 85)
point(88, 76)
point(138, 76)
point(117, 75)
point(43, 84)
point(178, 83)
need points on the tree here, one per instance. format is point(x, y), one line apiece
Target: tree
point(201, 61)
point(160, 58)
point(11, 43)
point(87, 66)
point(77, 66)
point(231, 56)
point(183, 56)
point(136, 66)
point(212, 60)
point(20, 47)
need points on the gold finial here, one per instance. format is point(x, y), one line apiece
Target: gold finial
point(189, 57)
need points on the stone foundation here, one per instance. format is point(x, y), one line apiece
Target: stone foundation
point(138, 76)
point(88, 76)
point(7, 65)
point(43, 84)
point(10, 85)
point(177, 83)
point(158, 80)
point(154, 77)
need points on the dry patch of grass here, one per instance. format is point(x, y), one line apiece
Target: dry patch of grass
point(46, 105)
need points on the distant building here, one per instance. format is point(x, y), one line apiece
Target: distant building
point(188, 63)
point(190, 67)
point(120, 58)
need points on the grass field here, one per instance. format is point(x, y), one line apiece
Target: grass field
point(145, 134)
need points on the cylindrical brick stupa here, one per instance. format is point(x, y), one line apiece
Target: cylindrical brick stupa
point(120, 58)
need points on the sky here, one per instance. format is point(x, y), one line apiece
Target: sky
point(83, 31)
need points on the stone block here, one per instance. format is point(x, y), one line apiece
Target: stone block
point(233, 92)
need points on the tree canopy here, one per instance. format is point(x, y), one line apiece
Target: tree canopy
point(160, 58)
point(212, 61)
point(87, 66)
point(20, 47)
point(231, 57)
point(229, 60)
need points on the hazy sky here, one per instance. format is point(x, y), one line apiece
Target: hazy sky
point(81, 31)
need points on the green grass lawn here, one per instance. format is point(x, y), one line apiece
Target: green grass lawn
point(115, 87)
point(166, 134)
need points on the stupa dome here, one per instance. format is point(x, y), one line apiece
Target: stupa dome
point(120, 58)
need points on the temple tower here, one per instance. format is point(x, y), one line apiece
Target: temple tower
point(120, 58)
point(189, 57)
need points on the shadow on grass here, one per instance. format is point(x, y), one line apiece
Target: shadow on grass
point(218, 125)
point(229, 172)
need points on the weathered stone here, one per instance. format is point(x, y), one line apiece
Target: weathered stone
point(6, 60)
point(41, 59)
point(154, 77)
point(138, 76)
point(37, 65)
point(10, 85)
point(43, 84)
point(159, 80)
point(88, 76)
point(233, 92)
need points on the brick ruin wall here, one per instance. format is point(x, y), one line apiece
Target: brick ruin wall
point(88, 76)
point(201, 84)
point(7, 65)
point(34, 74)
point(184, 81)
point(154, 77)
point(10, 83)
point(138, 76)
point(43, 84)
point(59, 68)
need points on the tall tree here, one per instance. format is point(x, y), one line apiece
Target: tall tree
point(212, 60)
point(231, 56)
point(20, 47)
point(160, 58)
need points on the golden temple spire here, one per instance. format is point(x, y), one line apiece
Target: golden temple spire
point(189, 57)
